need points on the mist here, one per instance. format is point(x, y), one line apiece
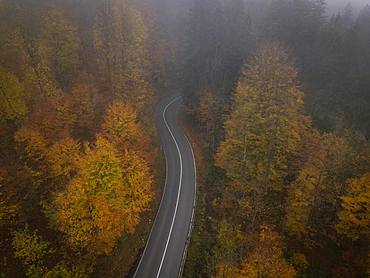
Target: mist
point(184, 138)
point(335, 6)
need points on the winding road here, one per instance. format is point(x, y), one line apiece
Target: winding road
point(165, 250)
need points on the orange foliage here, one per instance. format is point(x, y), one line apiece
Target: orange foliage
point(267, 259)
point(105, 199)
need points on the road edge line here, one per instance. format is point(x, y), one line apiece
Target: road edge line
point(179, 188)
point(192, 222)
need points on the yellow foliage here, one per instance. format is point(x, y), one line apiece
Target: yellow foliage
point(225, 270)
point(300, 199)
point(267, 259)
point(264, 124)
point(354, 217)
point(63, 157)
point(105, 199)
point(300, 262)
point(120, 125)
point(12, 98)
point(317, 183)
point(32, 149)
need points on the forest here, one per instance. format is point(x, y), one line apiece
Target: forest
point(77, 83)
point(276, 99)
point(278, 92)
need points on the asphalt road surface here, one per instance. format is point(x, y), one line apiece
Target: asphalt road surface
point(165, 248)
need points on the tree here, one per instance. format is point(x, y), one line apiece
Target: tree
point(354, 216)
point(59, 46)
point(31, 250)
point(209, 113)
point(228, 241)
point(314, 196)
point(53, 119)
point(63, 157)
point(12, 98)
point(120, 39)
point(34, 252)
point(32, 151)
point(120, 126)
point(297, 23)
point(104, 200)
point(82, 103)
point(219, 39)
point(267, 259)
point(138, 90)
point(7, 210)
point(262, 130)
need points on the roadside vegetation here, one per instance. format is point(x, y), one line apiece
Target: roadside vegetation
point(276, 103)
point(78, 83)
point(282, 123)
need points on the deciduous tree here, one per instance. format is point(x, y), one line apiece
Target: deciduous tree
point(267, 259)
point(354, 217)
point(315, 193)
point(104, 200)
point(263, 128)
point(63, 157)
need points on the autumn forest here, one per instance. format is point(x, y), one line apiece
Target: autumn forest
point(275, 100)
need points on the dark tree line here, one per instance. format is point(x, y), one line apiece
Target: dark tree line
point(331, 53)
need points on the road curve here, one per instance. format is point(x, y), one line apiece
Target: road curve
point(165, 248)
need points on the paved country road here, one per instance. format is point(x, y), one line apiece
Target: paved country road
point(165, 248)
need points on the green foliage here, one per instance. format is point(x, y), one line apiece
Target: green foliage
point(228, 242)
point(30, 248)
point(7, 211)
point(120, 39)
point(59, 46)
point(12, 99)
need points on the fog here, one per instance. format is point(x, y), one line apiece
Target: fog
point(335, 5)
